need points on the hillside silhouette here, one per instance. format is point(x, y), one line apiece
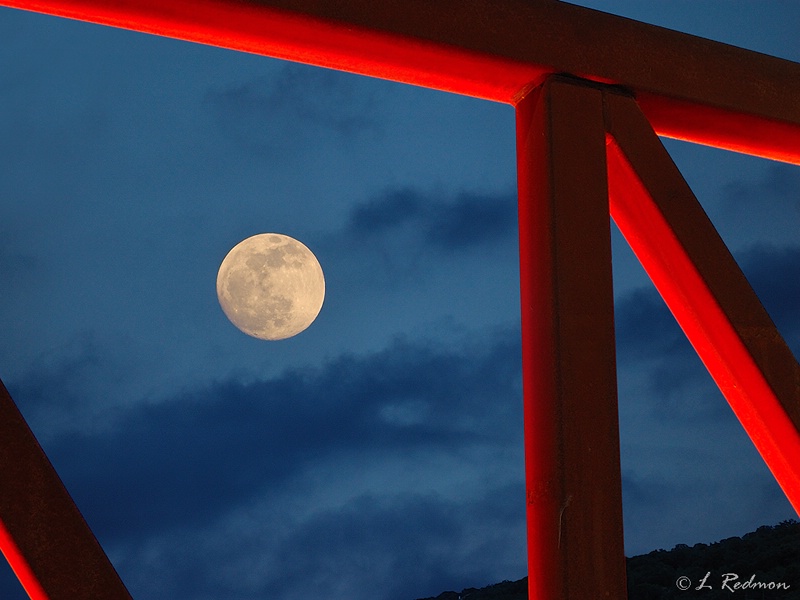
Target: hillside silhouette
point(764, 564)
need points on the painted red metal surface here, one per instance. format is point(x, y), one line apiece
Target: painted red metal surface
point(706, 291)
point(572, 463)
point(690, 88)
point(42, 534)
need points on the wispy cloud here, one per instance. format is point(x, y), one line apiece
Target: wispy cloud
point(454, 222)
point(267, 114)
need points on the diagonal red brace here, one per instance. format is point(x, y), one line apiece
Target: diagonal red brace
point(704, 288)
point(43, 536)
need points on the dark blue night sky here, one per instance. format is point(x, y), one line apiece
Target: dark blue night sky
point(378, 454)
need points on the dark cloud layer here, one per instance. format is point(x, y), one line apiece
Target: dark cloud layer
point(774, 274)
point(467, 220)
point(186, 460)
point(394, 546)
point(163, 470)
point(425, 530)
point(647, 332)
point(646, 328)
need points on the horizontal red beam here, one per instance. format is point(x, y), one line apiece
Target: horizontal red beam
point(688, 87)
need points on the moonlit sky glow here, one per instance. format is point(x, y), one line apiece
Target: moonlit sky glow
point(377, 456)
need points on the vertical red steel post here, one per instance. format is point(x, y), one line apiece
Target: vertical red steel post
point(574, 491)
point(42, 534)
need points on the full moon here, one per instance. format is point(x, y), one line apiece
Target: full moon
point(270, 286)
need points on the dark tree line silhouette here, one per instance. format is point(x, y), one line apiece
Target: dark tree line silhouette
point(761, 565)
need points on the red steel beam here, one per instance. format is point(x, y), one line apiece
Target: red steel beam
point(43, 536)
point(572, 456)
point(706, 291)
point(688, 87)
